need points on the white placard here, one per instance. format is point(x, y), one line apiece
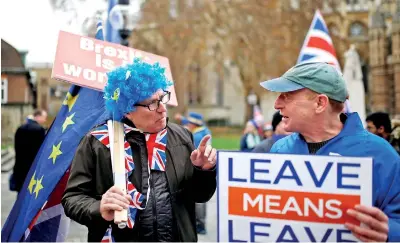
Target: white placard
point(277, 197)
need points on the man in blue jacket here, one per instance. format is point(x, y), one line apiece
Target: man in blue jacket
point(195, 124)
point(311, 103)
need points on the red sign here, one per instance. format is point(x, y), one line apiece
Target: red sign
point(85, 61)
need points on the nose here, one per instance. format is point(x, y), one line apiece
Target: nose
point(278, 102)
point(162, 107)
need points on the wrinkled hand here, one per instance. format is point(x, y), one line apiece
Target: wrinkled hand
point(205, 155)
point(376, 221)
point(113, 200)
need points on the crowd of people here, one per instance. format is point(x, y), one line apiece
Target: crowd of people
point(173, 196)
point(378, 123)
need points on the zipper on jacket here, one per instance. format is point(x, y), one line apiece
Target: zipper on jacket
point(153, 198)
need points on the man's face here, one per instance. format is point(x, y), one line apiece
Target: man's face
point(150, 121)
point(42, 118)
point(372, 128)
point(297, 108)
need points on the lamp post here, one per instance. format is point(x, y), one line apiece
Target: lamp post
point(124, 32)
point(252, 101)
point(124, 17)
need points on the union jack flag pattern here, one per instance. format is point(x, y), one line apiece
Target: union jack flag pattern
point(108, 236)
point(156, 144)
point(51, 213)
point(101, 133)
point(318, 47)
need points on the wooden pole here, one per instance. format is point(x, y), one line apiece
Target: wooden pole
point(118, 162)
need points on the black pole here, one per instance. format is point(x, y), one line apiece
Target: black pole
point(124, 32)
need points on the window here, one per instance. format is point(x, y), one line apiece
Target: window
point(173, 9)
point(4, 90)
point(357, 29)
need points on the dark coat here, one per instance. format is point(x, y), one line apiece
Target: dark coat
point(170, 212)
point(28, 139)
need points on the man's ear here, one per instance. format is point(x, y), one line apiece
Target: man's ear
point(381, 129)
point(129, 116)
point(322, 103)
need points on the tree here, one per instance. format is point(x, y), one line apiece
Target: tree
point(261, 37)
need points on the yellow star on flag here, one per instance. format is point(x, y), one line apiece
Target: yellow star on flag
point(55, 152)
point(70, 100)
point(32, 183)
point(68, 121)
point(38, 187)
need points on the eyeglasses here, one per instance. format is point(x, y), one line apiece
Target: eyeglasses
point(156, 103)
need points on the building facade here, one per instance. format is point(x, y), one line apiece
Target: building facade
point(218, 89)
point(384, 49)
point(17, 91)
point(50, 92)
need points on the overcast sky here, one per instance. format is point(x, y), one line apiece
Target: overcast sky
point(32, 25)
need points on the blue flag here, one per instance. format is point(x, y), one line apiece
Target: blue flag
point(37, 215)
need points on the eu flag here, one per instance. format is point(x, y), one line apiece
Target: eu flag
point(37, 215)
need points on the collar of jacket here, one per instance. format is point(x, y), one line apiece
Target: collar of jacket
point(352, 125)
point(129, 123)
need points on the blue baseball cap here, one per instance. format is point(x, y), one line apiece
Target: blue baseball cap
point(195, 118)
point(319, 77)
point(184, 121)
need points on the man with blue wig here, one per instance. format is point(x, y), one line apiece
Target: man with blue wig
point(166, 174)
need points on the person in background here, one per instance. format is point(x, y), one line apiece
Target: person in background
point(28, 139)
point(195, 123)
point(250, 137)
point(278, 133)
point(29, 118)
point(181, 120)
point(379, 123)
point(268, 131)
point(396, 134)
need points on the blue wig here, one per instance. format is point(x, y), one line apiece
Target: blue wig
point(131, 84)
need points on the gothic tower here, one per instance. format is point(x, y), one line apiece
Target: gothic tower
point(396, 59)
point(379, 84)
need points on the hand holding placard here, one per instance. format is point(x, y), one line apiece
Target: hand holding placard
point(376, 221)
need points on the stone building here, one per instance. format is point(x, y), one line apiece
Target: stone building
point(17, 91)
point(50, 92)
point(384, 51)
point(373, 27)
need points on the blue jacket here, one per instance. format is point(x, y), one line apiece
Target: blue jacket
point(355, 141)
point(199, 133)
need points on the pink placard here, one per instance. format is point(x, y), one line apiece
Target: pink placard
point(85, 61)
